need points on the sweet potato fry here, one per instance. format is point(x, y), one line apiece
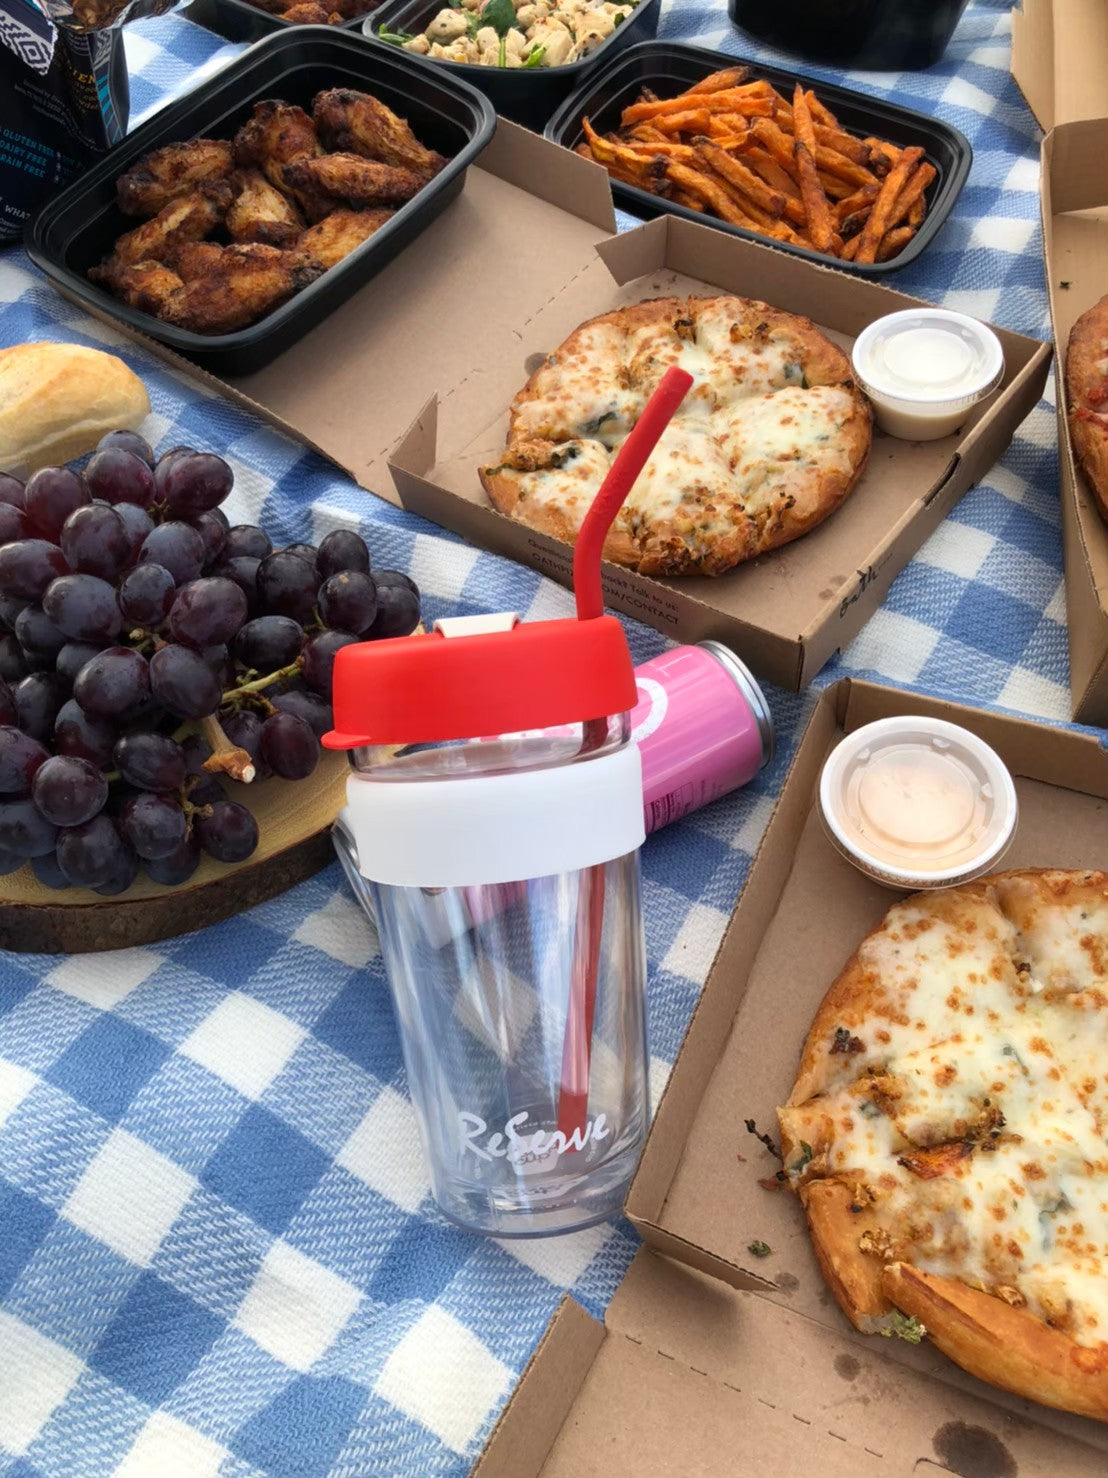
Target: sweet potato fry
point(843, 143)
point(917, 212)
point(820, 113)
point(720, 81)
point(713, 194)
point(816, 206)
point(850, 248)
point(764, 165)
point(803, 129)
point(634, 169)
point(885, 155)
point(878, 221)
point(862, 199)
point(645, 112)
point(777, 144)
point(833, 187)
point(727, 125)
point(744, 179)
point(820, 228)
point(648, 133)
point(669, 150)
point(690, 202)
point(894, 242)
point(851, 225)
point(912, 194)
point(834, 163)
point(694, 122)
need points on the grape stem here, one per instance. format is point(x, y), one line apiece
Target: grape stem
point(258, 683)
point(225, 757)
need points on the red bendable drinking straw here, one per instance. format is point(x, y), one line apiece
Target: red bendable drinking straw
point(573, 1097)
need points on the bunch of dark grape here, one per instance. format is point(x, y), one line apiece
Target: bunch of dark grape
point(148, 648)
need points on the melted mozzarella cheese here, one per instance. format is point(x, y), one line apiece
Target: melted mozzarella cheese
point(578, 395)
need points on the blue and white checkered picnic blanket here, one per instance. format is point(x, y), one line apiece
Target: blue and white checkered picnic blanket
point(218, 1254)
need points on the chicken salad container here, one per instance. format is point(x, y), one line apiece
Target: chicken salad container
point(78, 227)
point(526, 56)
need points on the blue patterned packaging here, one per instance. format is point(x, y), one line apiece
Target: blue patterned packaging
point(63, 97)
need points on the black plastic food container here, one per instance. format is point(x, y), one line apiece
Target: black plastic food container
point(881, 35)
point(76, 229)
point(238, 20)
point(525, 95)
point(670, 68)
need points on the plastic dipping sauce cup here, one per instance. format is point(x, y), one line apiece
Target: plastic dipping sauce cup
point(925, 369)
point(918, 803)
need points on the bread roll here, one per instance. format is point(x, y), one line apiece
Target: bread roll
point(58, 400)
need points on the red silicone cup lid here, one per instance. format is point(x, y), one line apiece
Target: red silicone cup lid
point(424, 689)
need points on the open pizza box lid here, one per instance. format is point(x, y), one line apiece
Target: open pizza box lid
point(712, 1361)
point(441, 340)
point(1060, 58)
point(1075, 237)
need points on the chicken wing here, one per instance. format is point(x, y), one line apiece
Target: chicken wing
point(309, 13)
point(278, 134)
point(355, 123)
point(149, 286)
point(260, 212)
point(338, 235)
point(352, 180)
point(245, 284)
point(192, 259)
point(168, 173)
point(186, 219)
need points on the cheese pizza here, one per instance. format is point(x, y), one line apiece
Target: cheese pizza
point(770, 439)
point(1087, 394)
point(948, 1131)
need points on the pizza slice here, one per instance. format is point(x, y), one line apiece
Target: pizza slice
point(1087, 397)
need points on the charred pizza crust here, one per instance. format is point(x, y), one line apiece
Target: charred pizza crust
point(947, 1134)
point(1087, 394)
point(769, 441)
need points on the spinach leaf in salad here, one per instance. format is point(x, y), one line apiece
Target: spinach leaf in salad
point(499, 14)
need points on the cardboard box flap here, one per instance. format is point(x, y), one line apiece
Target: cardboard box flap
point(1074, 189)
point(788, 611)
point(688, 1379)
point(544, 1395)
point(1060, 58)
point(706, 1179)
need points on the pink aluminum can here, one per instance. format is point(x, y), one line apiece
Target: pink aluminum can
point(703, 728)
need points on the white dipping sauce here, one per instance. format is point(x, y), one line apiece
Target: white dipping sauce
point(917, 802)
point(925, 369)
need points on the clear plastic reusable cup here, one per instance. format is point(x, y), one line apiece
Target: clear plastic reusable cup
point(503, 877)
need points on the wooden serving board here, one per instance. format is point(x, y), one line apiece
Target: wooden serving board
point(294, 822)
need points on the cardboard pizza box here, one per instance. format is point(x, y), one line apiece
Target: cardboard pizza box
point(1060, 58)
point(711, 1362)
point(1074, 185)
point(440, 341)
point(788, 612)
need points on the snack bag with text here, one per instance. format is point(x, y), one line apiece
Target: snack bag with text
point(63, 95)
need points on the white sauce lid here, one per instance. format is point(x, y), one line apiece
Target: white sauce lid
point(918, 802)
point(932, 359)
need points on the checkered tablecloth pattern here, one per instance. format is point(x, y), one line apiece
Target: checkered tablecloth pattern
point(218, 1255)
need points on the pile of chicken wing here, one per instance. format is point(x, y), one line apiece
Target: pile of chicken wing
point(233, 230)
point(315, 12)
